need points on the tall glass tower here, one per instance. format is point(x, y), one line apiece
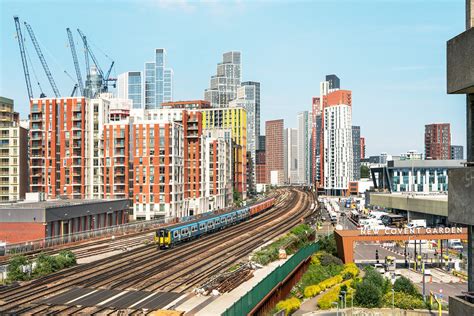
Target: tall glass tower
point(158, 81)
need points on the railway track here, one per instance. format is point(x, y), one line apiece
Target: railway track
point(146, 268)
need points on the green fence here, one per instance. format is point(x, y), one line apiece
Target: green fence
point(247, 302)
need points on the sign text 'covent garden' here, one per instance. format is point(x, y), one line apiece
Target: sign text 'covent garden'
point(411, 231)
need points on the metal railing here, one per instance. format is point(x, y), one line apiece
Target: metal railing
point(116, 230)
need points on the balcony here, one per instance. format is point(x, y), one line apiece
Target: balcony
point(36, 117)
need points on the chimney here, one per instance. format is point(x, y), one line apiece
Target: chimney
point(469, 14)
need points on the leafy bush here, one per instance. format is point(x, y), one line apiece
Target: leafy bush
point(326, 300)
point(404, 285)
point(328, 244)
point(375, 278)
point(350, 271)
point(403, 301)
point(14, 271)
point(368, 294)
point(318, 273)
point(312, 291)
point(289, 305)
point(327, 259)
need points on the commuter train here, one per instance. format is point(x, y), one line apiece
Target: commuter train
point(169, 236)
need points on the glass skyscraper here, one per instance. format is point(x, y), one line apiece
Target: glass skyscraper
point(158, 81)
point(224, 85)
point(129, 86)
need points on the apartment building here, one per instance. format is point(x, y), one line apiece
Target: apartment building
point(13, 153)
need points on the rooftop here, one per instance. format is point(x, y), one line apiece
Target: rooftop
point(54, 203)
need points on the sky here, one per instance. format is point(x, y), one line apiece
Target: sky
point(391, 54)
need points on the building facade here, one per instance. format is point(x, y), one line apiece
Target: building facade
point(261, 170)
point(13, 153)
point(129, 86)
point(158, 83)
point(356, 146)
point(457, 152)
point(337, 131)
point(290, 151)
point(223, 86)
point(304, 147)
point(274, 158)
point(438, 141)
point(362, 148)
point(58, 146)
point(235, 120)
point(425, 176)
point(316, 140)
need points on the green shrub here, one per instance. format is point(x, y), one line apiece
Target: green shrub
point(368, 294)
point(327, 259)
point(14, 271)
point(318, 273)
point(375, 278)
point(403, 301)
point(328, 244)
point(350, 271)
point(289, 305)
point(404, 285)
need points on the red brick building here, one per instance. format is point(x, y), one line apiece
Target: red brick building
point(57, 147)
point(362, 148)
point(438, 141)
point(261, 170)
point(274, 159)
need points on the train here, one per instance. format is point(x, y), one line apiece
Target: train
point(169, 236)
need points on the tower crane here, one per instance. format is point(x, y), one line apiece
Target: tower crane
point(88, 51)
point(43, 61)
point(21, 44)
point(76, 62)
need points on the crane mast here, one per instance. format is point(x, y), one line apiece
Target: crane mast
point(43, 61)
point(76, 62)
point(23, 57)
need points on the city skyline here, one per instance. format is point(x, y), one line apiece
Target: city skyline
point(379, 90)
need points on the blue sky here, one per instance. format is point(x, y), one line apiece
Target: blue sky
point(391, 54)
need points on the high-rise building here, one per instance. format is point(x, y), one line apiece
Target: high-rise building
point(337, 131)
point(13, 153)
point(247, 99)
point(261, 142)
point(256, 98)
point(316, 140)
point(260, 169)
point(129, 86)
point(305, 127)
point(356, 147)
point(158, 84)
point(274, 152)
point(290, 152)
point(457, 152)
point(334, 82)
point(58, 146)
point(438, 141)
point(362, 148)
point(223, 86)
point(234, 119)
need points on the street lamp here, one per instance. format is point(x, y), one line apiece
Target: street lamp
point(345, 303)
point(337, 304)
point(393, 300)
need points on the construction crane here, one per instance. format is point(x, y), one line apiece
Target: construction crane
point(76, 62)
point(21, 43)
point(88, 51)
point(43, 61)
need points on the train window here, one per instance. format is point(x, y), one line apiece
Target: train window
point(161, 233)
point(175, 233)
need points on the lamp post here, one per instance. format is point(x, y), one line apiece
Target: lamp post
point(393, 301)
point(337, 304)
point(345, 303)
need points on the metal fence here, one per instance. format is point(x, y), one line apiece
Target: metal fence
point(116, 230)
point(247, 302)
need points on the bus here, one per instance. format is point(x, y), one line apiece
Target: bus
point(393, 220)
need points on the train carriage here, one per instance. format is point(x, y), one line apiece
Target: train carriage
point(167, 237)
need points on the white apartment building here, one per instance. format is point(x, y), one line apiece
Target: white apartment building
point(338, 164)
point(290, 152)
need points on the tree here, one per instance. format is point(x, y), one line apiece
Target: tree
point(237, 198)
point(374, 277)
point(328, 244)
point(404, 285)
point(368, 295)
point(364, 172)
